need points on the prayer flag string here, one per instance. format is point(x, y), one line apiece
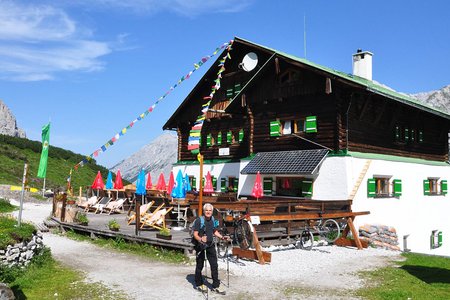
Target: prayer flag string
point(117, 136)
point(194, 139)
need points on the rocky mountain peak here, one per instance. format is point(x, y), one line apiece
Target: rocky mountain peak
point(155, 157)
point(8, 123)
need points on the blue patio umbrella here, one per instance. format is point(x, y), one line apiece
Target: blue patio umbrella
point(186, 182)
point(140, 184)
point(109, 181)
point(179, 190)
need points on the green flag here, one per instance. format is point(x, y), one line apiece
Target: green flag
point(42, 172)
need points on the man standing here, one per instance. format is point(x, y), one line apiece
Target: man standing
point(205, 228)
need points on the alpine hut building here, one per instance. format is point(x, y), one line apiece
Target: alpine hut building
point(316, 133)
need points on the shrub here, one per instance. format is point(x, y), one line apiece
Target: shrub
point(164, 231)
point(113, 225)
point(82, 218)
point(11, 234)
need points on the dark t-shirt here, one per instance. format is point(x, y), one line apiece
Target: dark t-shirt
point(208, 229)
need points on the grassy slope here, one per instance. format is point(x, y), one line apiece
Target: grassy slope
point(14, 152)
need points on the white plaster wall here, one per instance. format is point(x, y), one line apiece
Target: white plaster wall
point(413, 213)
point(216, 170)
point(332, 182)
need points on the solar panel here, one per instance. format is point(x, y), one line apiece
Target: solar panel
point(285, 162)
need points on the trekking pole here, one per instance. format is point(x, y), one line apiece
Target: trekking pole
point(206, 273)
point(228, 267)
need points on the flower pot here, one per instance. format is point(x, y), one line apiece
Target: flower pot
point(164, 237)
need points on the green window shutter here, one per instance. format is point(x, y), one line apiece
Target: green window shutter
point(440, 238)
point(241, 135)
point(219, 138)
point(229, 93)
point(267, 185)
point(413, 135)
point(275, 127)
point(223, 185)
point(208, 140)
point(443, 187)
point(194, 183)
point(311, 124)
point(307, 188)
point(237, 88)
point(214, 182)
point(406, 135)
point(229, 137)
point(420, 136)
point(397, 187)
point(426, 187)
point(397, 133)
point(370, 187)
point(236, 185)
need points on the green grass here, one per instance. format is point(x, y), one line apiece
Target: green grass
point(143, 250)
point(14, 152)
point(6, 207)
point(418, 277)
point(11, 234)
point(45, 278)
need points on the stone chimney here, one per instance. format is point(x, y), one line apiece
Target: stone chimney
point(362, 64)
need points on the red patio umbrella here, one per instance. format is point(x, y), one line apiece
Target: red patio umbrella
point(118, 182)
point(257, 191)
point(170, 184)
point(98, 182)
point(148, 185)
point(161, 185)
point(208, 184)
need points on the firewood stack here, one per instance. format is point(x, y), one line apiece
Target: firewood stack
point(379, 236)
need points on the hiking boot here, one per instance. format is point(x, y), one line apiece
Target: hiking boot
point(202, 288)
point(219, 290)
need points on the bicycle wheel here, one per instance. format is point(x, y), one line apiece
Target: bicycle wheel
point(305, 241)
point(330, 230)
point(243, 234)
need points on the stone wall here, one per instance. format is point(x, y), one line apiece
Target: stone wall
point(379, 236)
point(21, 253)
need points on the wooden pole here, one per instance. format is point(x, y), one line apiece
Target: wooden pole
point(200, 198)
point(24, 179)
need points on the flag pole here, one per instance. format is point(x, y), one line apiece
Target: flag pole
point(200, 198)
point(25, 169)
point(43, 188)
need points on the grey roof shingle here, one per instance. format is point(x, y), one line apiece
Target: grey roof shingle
point(286, 162)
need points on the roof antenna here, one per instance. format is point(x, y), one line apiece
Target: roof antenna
point(304, 35)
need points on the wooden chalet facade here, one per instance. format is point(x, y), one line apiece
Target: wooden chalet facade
point(374, 139)
point(311, 107)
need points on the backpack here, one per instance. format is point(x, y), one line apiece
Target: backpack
point(202, 228)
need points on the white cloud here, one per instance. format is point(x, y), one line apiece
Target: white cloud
point(189, 8)
point(37, 41)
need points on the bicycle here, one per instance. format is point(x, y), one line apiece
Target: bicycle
point(242, 233)
point(328, 230)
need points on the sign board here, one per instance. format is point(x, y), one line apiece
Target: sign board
point(224, 151)
point(255, 220)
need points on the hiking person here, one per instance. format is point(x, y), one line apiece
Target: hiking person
point(205, 228)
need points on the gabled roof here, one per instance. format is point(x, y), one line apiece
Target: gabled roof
point(296, 162)
point(363, 83)
point(367, 84)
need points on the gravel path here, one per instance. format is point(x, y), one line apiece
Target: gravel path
point(326, 272)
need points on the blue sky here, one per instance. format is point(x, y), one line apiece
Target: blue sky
point(92, 66)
